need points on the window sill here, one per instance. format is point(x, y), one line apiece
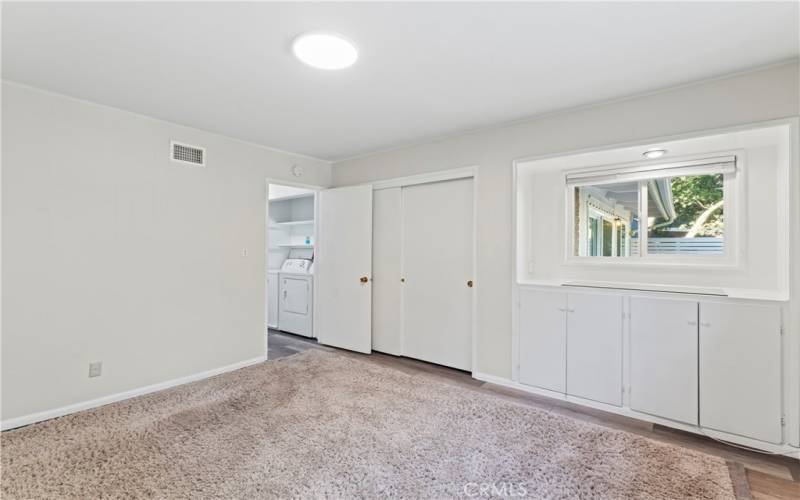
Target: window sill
point(730, 293)
point(724, 263)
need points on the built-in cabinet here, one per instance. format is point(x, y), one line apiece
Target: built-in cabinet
point(543, 339)
point(704, 362)
point(572, 343)
point(740, 369)
point(594, 347)
point(663, 360)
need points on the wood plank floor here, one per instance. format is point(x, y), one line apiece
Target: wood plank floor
point(755, 475)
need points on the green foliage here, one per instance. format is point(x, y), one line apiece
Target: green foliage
point(692, 196)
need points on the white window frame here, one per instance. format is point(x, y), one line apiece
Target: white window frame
point(733, 196)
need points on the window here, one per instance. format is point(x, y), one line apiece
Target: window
point(694, 223)
point(675, 209)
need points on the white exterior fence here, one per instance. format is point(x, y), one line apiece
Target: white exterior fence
point(681, 246)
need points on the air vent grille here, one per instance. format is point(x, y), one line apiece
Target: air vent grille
point(185, 153)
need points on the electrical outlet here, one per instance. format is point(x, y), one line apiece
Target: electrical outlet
point(95, 369)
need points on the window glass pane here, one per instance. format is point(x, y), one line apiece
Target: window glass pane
point(608, 237)
point(606, 220)
point(595, 235)
point(686, 216)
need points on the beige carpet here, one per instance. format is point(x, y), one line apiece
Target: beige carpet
point(321, 424)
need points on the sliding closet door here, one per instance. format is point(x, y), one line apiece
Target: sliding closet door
point(437, 267)
point(387, 242)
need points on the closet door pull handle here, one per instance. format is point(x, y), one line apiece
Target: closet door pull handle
point(363, 279)
point(470, 283)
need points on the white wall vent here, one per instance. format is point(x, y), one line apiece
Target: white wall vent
point(186, 153)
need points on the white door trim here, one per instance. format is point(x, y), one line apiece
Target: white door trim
point(442, 175)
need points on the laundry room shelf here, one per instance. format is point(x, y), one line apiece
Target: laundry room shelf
point(296, 223)
point(296, 246)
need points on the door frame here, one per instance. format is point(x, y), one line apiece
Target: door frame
point(470, 172)
point(313, 187)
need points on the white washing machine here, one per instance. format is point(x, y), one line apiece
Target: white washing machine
point(295, 301)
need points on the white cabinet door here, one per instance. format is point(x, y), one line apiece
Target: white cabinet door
point(272, 300)
point(543, 339)
point(343, 265)
point(437, 267)
point(740, 369)
point(387, 243)
point(594, 347)
point(663, 369)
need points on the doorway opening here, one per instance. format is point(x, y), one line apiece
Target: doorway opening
point(291, 238)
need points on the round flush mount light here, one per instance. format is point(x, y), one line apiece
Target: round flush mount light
point(654, 153)
point(325, 50)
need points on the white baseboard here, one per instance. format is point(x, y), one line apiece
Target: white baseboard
point(32, 418)
point(777, 449)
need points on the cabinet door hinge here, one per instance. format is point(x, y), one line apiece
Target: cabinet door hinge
point(783, 421)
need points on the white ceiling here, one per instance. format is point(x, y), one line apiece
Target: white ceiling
point(425, 69)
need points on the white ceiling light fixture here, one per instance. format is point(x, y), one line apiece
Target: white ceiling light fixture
point(651, 154)
point(325, 50)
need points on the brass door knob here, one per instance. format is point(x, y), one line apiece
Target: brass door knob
point(470, 283)
point(364, 279)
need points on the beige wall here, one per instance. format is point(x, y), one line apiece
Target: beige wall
point(111, 252)
point(762, 95)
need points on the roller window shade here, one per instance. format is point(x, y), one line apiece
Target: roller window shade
point(707, 166)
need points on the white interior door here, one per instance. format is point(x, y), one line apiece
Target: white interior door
point(387, 242)
point(594, 347)
point(343, 267)
point(543, 339)
point(437, 267)
point(664, 358)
